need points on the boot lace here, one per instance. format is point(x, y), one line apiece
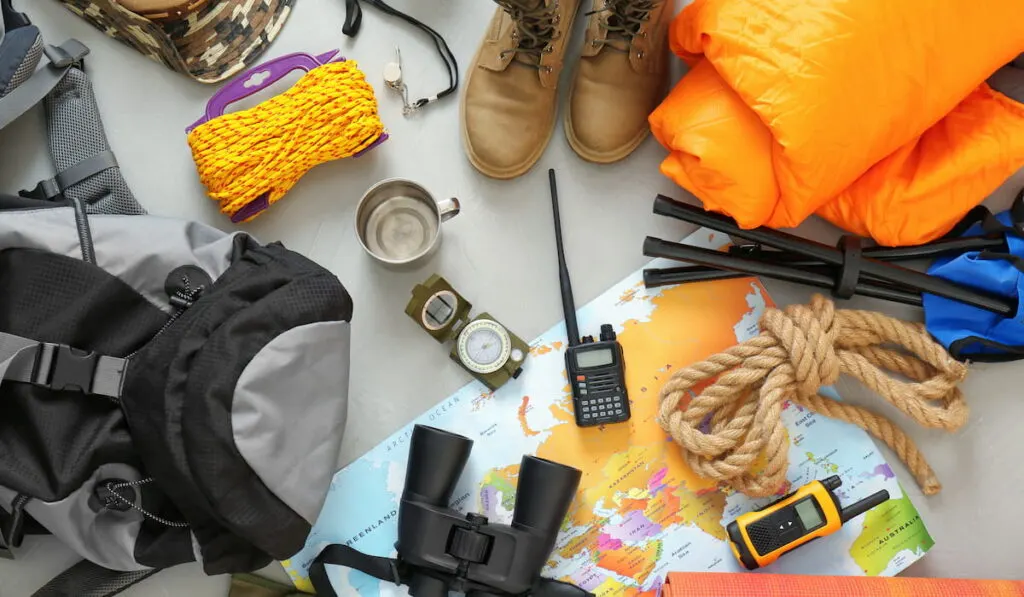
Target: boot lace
point(536, 29)
point(623, 22)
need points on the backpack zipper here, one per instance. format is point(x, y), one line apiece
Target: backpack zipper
point(14, 534)
point(182, 299)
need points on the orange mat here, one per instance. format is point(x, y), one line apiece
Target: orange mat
point(709, 584)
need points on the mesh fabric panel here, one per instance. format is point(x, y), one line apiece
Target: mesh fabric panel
point(28, 66)
point(76, 134)
point(86, 579)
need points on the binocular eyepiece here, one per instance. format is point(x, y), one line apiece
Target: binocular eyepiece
point(450, 551)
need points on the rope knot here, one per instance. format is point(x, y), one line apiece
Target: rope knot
point(808, 334)
point(732, 430)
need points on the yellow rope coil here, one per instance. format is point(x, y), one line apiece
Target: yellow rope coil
point(329, 114)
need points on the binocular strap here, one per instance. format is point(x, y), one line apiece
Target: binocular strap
point(393, 571)
point(386, 569)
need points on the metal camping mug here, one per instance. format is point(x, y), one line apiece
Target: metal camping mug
point(398, 222)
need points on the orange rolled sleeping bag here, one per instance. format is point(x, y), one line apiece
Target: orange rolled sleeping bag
point(874, 114)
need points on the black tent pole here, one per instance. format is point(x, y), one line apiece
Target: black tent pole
point(655, 247)
point(893, 254)
point(830, 255)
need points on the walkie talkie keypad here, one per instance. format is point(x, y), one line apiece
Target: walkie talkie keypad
point(600, 400)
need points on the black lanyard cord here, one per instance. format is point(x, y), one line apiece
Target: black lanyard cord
point(354, 19)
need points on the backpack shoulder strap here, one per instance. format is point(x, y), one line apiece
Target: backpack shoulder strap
point(88, 172)
point(86, 579)
point(60, 367)
point(30, 93)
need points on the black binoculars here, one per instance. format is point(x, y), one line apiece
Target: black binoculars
point(446, 550)
point(441, 550)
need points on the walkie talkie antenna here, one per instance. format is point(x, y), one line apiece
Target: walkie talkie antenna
point(568, 303)
point(854, 510)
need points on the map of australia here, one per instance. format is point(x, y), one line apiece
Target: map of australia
point(640, 511)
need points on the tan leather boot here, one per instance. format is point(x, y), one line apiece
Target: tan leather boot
point(621, 78)
point(510, 102)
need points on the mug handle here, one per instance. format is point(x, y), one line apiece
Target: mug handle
point(449, 209)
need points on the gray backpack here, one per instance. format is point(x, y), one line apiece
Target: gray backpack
point(168, 392)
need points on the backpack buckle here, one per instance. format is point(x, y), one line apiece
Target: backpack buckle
point(46, 190)
point(60, 367)
point(67, 54)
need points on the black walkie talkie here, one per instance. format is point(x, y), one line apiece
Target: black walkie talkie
point(596, 369)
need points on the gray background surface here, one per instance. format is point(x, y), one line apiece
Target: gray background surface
point(498, 252)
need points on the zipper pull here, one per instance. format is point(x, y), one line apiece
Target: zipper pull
point(13, 533)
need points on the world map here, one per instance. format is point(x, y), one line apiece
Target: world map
point(640, 511)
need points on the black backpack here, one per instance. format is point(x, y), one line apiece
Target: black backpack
point(168, 392)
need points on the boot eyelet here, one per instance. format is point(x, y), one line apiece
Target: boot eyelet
point(640, 55)
point(595, 43)
point(548, 50)
point(548, 69)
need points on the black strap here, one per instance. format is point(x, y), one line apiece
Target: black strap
point(1015, 261)
point(989, 223)
point(978, 215)
point(1017, 211)
point(386, 569)
point(849, 273)
point(86, 579)
point(958, 349)
point(354, 20)
point(394, 571)
point(54, 188)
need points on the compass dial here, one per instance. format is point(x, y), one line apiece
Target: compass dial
point(484, 346)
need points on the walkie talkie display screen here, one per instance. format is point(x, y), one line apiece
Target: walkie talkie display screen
point(809, 514)
point(594, 358)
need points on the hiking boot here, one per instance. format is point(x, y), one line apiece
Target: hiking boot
point(621, 78)
point(510, 101)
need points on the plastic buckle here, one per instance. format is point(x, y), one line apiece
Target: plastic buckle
point(61, 367)
point(67, 54)
point(46, 190)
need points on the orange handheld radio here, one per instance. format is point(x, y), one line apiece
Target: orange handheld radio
point(759, 538)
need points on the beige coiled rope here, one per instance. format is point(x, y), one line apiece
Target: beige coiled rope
point(733, 431)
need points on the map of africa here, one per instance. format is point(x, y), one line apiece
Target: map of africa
point(640, 511)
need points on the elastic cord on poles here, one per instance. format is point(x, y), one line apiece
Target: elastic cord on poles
point(354, 20)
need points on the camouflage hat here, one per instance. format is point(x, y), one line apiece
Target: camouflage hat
point(211, 44)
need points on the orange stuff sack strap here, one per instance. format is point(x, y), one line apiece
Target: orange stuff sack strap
point(711, 584)
point(259, 154)
point(873, 113)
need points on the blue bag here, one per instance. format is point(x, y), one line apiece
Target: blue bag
point(969, 332)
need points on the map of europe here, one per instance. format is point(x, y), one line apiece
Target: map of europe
point(640, 511)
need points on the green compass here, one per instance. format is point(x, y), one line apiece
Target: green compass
point(481, 345)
